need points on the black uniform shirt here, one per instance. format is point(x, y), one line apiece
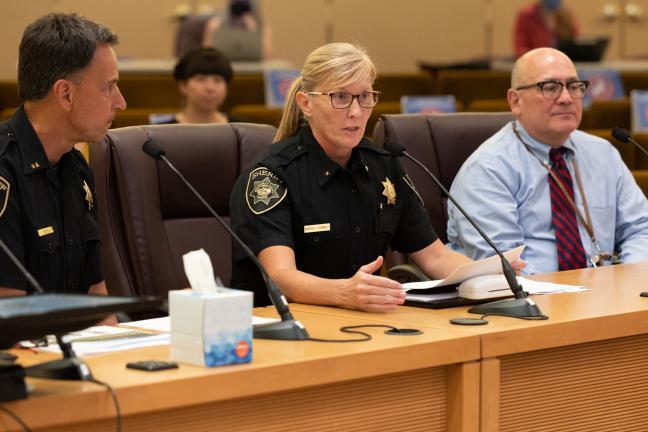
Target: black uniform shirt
point(335, 219)
point(47, 213)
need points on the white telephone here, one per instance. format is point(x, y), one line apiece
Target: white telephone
point(485, 287)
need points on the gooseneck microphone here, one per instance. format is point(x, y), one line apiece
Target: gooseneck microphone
point(32, 281)
point(625, 137)
point(521, 306)
point(288, 328)
point(70, 367)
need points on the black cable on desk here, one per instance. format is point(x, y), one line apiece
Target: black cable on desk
point(16, 418)
point(115, 401)
point(351, 329)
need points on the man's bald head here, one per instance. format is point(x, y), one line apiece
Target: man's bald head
point(534, 61)
point(549, 118)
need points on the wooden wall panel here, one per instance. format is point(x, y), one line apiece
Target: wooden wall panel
point(594, 387)
point(400, 402)
point(399, 34)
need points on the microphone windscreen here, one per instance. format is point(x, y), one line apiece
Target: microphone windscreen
point(393, 147)
point(152, 149)
point(621, 134)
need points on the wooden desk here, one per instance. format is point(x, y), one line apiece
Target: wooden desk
point(584, 369)
point(361, 386)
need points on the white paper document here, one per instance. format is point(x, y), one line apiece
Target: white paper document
point(124, 336)
point(163, 325)
point(104, 339)
point(490, 265)
point(538, 287)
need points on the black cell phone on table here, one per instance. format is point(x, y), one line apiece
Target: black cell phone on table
point(152, 365)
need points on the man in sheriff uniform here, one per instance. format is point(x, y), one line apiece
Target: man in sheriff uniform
point(67, 80)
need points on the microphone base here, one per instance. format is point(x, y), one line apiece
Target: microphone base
point(69, 368)
point(12, 383)
point(282, 330)
point(524, 308)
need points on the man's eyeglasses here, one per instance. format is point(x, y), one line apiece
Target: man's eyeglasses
point(552, 89)
point(342, 100)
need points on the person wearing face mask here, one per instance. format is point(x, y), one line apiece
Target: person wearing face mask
point(202, 76)
point(565, 194)
point(543, 24)
point(244, 15)
point(198, 30)
point(322, 205)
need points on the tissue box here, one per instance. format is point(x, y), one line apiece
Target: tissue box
point(211, 329)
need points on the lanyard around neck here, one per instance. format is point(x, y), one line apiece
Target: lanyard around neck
point(587, 220)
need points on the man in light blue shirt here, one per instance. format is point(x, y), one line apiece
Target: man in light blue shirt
point(505, 184)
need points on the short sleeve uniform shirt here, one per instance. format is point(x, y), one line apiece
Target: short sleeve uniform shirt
point(47, 214)
point(335, 219)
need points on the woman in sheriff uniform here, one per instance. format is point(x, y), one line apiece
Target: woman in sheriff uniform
point(322, 205)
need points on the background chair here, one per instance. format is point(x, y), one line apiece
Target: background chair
point(606, 114)
point(442, 142)
point(148, 217)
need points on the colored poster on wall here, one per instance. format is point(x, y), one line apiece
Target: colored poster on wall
point(428, 104)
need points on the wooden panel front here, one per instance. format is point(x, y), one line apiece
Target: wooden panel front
point(414, 401)
point(599, 386)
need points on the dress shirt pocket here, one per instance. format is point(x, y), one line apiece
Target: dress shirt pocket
point(45, 245)
point(386, 219)
point(317, 238)
point(40, 254)
point(600, 203)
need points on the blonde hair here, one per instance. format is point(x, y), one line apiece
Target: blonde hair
point(334, 65)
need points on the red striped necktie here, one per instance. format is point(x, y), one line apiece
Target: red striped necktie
point(571, 254)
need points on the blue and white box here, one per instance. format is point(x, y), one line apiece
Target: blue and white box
point(211, 328)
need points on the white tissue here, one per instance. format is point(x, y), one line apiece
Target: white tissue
point(199, 271)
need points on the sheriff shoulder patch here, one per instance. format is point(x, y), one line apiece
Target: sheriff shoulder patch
point(4, 194)
point(264, 190)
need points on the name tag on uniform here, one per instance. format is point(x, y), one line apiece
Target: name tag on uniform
point(317, 228)
point(45, 231)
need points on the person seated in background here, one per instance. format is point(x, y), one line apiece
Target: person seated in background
point(322, 205)
point(199, 30)
point(565, 194)
point(202, 76)
point(67, 80)
point(190, 32)
point(543, 24)
point(244, 15)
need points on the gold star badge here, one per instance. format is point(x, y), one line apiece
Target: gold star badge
point(389, 191)
point(88, 195)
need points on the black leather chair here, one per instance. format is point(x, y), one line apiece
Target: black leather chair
point(149, 219)
point(442, 142)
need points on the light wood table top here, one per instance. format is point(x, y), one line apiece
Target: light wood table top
point(611, 309)
point(277, 366)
